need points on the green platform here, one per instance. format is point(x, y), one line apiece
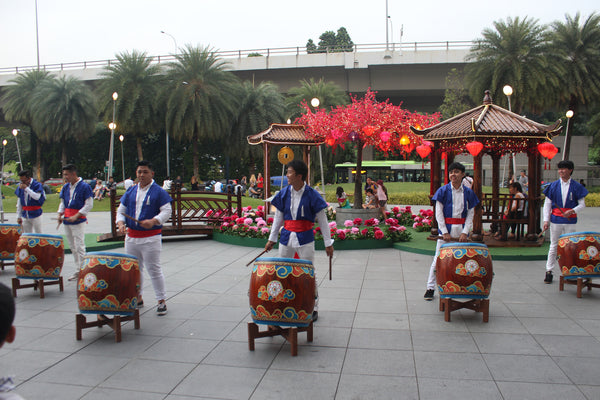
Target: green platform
point(91, 244)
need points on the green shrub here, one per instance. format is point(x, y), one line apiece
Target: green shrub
point(592, 200)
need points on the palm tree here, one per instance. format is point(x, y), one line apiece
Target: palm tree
point(202, 101)
point(137, 82)
point(64, 110)
point(576, 46)
point(515, 53)
point(328, 93)
point(17, 105)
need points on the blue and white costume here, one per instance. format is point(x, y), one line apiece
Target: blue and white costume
point(29, 206)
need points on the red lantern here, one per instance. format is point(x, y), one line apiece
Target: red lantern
point(547, 150)
point(404, 140)
point(385, 136)
point(330, 141)
point(423, 150)
point(474, 147)
point(409, 147)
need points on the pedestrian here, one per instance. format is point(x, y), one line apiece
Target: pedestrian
point(468, 181)
point(76, 202)
point(382, 197)
point(167, 183)
point(342, 198)
point(127, 183)
point(30, 198)
point(297, 207)
point(564, 199)
point(194, 183)
point(8, 333)
point(150, 206)
point(524, 181)
point(454, 211)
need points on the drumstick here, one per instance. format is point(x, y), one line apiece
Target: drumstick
point(254, 259)
point(131, 218)
point(330, 267)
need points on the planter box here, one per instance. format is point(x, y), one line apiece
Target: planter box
point(240, 240)
point(344, 214)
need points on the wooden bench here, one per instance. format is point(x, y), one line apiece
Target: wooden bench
point(496, 218)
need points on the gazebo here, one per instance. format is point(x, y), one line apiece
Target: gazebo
point(494, 131)
point(283, 135)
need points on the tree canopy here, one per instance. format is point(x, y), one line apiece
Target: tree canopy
point(330, 42)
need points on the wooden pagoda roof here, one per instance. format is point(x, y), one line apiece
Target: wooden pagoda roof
point(489, 121)
point(284, 134)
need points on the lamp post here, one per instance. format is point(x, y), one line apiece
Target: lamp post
point(15, 132)
point(508, 91)
point(167, 130)
point(4, 142)
point(567, 146)
point(122, 157)
point(112, 127)
point(315, 102)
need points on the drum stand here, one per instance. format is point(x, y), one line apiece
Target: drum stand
point(114, 323)
point(290, 334)
point(478, 305)
point(37, 284)
point(580, 282)
point(4, 263)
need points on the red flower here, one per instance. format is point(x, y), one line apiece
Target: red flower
point(364, 232)
point(357, 221)
point(396, 210)
point(341, 235)
point(379, 235)
point(270, 220)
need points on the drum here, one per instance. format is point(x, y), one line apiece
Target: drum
point(464, 270)
point(579, 254)
point(39, 256)
point(282, 291)
point(9, 235)
point(109, 283)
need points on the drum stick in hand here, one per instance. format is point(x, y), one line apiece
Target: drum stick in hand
point(330, 267)
point(254, 259)
point(131, 218)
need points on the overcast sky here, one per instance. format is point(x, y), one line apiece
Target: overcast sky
point(86, 30)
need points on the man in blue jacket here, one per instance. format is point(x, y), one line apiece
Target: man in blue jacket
point(144, 208)
point(564, 199)
point(454, 211)
point(30, 197)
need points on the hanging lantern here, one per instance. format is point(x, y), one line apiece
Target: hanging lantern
point(330, 141)
point(423, 150)
point(474, 147)
point(409, 147)
point(404, 140)
point(353, 136)
point(547, 150)
point(385, 136)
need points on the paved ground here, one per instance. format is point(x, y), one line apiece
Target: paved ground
point(375, 339)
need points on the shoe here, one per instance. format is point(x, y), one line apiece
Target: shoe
point(140, 304)
point(74, 276)
point(548, 278)
point(429, 295)
point(315, 316)
point(161, 309)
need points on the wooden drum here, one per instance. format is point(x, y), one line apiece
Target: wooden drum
point(39, 256)
point(109, 283)
point(282, 291)
point(464, 270)
point(9, 235)
point(579, 254)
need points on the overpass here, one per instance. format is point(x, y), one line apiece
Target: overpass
point(412, 73)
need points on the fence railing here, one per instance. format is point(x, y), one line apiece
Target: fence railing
point(260, 52)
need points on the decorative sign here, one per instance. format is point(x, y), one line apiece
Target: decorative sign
point(285, 155)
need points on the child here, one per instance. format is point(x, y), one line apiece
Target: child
point(382, 197)
point(370, 199)
point(342, 198)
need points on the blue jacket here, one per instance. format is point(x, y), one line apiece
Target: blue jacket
point(36, 187)
point(155, 198)
point(553, 192)
point(444, 196)
point(83, 191)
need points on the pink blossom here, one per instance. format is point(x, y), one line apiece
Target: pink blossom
point(417, 225)
point(426, 221)
point(253, 228)
point(379, 235)
point(348, 222)
point(264, 231)
point(261, 222)
point(225, 224)
point(332, 225)
point(401, 228)
point(248, 221)
point(235, 227)
point(354, 230)
point(417, 219)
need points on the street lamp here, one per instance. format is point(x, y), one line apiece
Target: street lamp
point(315, 102)
point(508, 91)
point(15, 132)
point(112, 127)
point(4, 142)
point(122, 157)
point(166, 129)
point(567, 146)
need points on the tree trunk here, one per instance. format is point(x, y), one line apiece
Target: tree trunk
point(63, 155)
point(357, 179)
point(138, 141)
point(38, 159)
point(196, 159)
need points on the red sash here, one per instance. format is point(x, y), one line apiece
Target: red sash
point(453, 221)
point(69, 212)
point(299, 225)
point(559, 212)
point(31, 208)
point(134, 233)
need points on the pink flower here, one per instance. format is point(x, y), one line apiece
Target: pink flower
point(209, 213)
point(357, 221)
point(426, 221)
point(264, 231)
point(261, 222)
point(348, 223)
point(417, 225)
point(235, 227)
point(354, 230)
point(253, 228)
point(332, 225)
point(239, 221)
point(401, 228)
point(417, 219)
point(260, 208)
point(248, 221)
point(379, 235)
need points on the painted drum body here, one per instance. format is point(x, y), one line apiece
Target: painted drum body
point(39, 256)
point(282, 291)
point(9, 236)
point(464, 270)
point(109, 283)
point(579, 254)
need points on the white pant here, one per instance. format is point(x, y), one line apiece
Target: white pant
point(76, 238)
point(555, 231)
point(305, 252)
point(32, 225)
point(148, 255)
point(431, 280)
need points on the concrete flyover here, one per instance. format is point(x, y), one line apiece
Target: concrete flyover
point(412, 73)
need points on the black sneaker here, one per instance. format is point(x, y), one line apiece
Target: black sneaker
point(548, 278)
point(161, 309)
point(429, 295)
point(315, 316)
point(140, 304)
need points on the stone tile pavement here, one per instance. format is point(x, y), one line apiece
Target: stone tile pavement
point(375, 339)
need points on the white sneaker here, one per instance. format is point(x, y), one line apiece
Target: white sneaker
point(75, 276)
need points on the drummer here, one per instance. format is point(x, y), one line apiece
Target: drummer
point(30, 198)
point(454, 211)
point(298, 206)
point(564, 199)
